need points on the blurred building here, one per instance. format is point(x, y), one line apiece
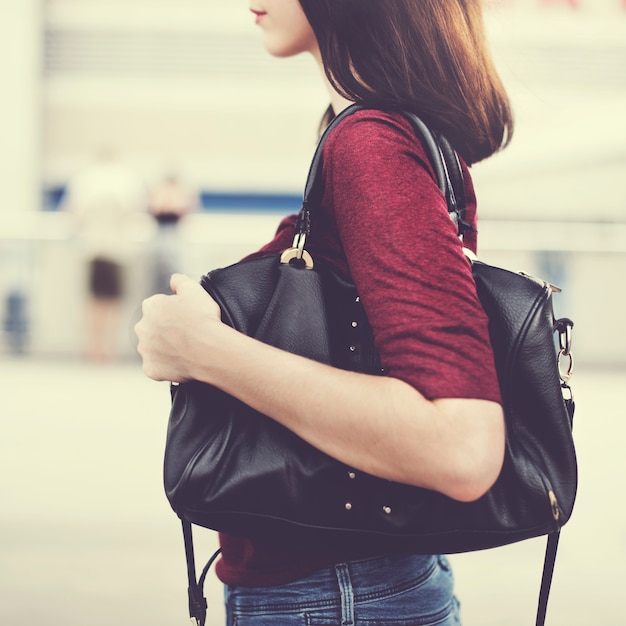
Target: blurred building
point(186, 83)
point(183, 82)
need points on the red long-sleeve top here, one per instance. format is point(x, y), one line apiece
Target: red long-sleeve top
point(384, 222)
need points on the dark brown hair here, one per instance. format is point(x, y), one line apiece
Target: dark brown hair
point(426, 56)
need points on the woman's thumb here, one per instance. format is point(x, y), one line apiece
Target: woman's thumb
point(179, 282)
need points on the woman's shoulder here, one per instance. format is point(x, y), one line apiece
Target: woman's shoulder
point(372, 123)
point(372, 136)
point(381, 149)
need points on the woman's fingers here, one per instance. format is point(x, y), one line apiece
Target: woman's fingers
point(173, 326)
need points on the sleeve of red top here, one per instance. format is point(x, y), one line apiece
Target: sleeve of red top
point(406, 259)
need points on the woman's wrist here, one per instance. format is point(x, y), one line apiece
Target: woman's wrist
point(215, 353)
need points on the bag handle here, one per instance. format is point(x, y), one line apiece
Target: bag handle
point(440, 153)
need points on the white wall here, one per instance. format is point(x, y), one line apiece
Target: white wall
point(20, 105)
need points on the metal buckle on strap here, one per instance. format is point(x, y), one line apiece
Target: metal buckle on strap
point(297, 253)
point(565, 359)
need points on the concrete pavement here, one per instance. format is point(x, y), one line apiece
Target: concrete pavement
point(88, 539)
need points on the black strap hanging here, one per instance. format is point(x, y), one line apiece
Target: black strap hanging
point(195, 588)
point(455, 189)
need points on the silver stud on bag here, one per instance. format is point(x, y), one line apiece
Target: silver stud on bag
point(352, 348)
point(351, 475)
point(348, 506)
point(387, 510)
point(355, 324)
point(357, 299)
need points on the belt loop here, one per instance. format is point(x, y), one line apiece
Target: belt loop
point(347, 594)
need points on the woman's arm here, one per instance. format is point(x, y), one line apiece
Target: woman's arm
point(376, 424)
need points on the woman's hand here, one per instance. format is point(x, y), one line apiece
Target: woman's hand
point(172, 329)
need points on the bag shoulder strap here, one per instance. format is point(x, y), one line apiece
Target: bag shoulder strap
point(442, 157)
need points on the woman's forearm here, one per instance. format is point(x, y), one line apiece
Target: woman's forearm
point(375, 424)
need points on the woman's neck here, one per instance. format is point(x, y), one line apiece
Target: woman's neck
point(337, 101)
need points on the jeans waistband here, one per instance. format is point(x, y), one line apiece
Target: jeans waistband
point(369, 578)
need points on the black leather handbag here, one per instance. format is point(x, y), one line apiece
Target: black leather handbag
point(232, 469)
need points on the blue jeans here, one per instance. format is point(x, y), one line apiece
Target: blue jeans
point(405, 590)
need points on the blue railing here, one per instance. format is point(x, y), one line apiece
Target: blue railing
point(213, 201)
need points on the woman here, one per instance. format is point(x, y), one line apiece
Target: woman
point(434, 419)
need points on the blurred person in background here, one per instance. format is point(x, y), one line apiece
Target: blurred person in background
point(434, 418)
point(102, 199)
point(169, 202)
